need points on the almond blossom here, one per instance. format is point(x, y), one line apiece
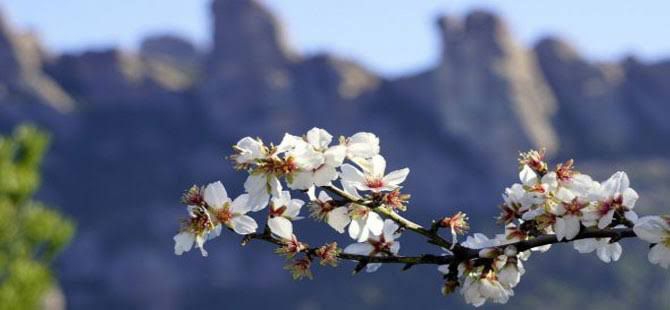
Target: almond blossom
point(479, 286)
point(198, 228)
point(330, 158)
point(227, 212)
point(362, 145)
point(383, 244)
point(324, 208)
point(364, 221)
point(614, 196)
point(655, 230)
point(248, 151)
point(283, 210)
point(606, 251)
point(372, 177)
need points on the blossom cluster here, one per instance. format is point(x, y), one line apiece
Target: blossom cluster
point(344, 183)
point(561, 202)
point(302, 164)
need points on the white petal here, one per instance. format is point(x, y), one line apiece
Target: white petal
point(550, 179)
point(372, 267)
point(390, 228)
point(275, 185)
point(244, 225)
point(528, 176)
point(631, 216)
point(307, 158)
point(302, 180)
point(289, 142)
point(377, 166)
point(610, 252)
point(323, 196)
point(362, 144)
point(361, 248)
point(660, 254)
point(395, 247)
point(630, 196)
point(200, 243)
point(559, 228)
point(617, 183)
point(293, 208)
point(282, 198)
point(255, 183)
point(606, 220)
point(183, 242)
point(375, 223)
point(396, 177)
point(571, 227)
point(241, 204)
point(215, 232)
point(281, 227)
point(338, 219)
point(352, 175)
point(652, 229)
point(311, 193)
point(335, 155)
point(585, 246)
point(215, 195)
point(324, 175)
point(350, 189)
point(356, 230)
point(251, 149)
point(319, 138)
point(565, 195)
point(444, 269)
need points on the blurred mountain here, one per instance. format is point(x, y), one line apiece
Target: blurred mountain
point(133, 130)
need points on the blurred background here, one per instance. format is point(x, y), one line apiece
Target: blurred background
point(143, 99)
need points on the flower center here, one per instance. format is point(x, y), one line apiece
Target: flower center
point(278, 167)
point(374, 183)
point(274, 212)
point(200, 223)
point(380, 246)
point(575, 207)
point(224, 215)
point(606, 206)
point(666, 241)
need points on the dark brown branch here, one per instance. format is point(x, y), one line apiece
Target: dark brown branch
point(414, 260)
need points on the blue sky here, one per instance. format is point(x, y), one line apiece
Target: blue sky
point(392, 37)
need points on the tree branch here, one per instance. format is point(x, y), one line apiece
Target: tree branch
point(380, 209)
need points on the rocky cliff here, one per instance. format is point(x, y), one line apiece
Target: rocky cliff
point(133, 129)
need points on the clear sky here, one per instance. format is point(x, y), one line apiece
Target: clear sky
point(389, 36)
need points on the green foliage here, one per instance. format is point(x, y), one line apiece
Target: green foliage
point(31, 235)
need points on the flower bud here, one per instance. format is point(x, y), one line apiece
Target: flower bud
point(449, 287)
point(328, 254)
point(300, 269)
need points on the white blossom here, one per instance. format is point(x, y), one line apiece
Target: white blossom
point(383, 244)
point(198, 228)
point(323, 208)
point(260, 186)
point(614, 195)
point(372, 177)
point(362, 145)
point(283, 210)
point(606, 251)
point(328, 158)
point(655, 230)
point(227, 212)
point(477, 289)
point(249, 150)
